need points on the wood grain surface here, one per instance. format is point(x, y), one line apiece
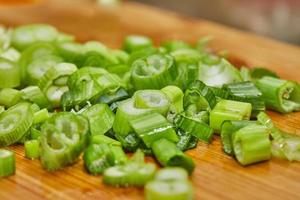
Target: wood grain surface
point(217, 176)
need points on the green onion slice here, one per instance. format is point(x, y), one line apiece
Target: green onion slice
point(195, 128)
point(14, 123)
point(152, 99)
point(98, 157)
point(228, 128)
point(169, 190)
point(153, 127)
point(218, 73)
point(280, 95)
point(251, 144)
point(100, 117)
point(64, 136)
point(168, 154)
point(9, 97)
point(228, 110)
point(153, 72)
point(32, 149)
point(9, 74)
point(7, 163)
point(200, 95)
point(24, 36)
point(35, 95)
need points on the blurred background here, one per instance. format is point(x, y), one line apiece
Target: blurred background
point(279, 19)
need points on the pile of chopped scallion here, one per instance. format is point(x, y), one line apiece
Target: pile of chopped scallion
point(62, 99)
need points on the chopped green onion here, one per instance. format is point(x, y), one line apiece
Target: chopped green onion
point(14, 123)
point(195, 128)
point(186, 141)
point(153, 72)
point(169, 190)
point(227, 130)
point(168, 154)
point(35, 95)
point(131, 142)
point(54, 95)
point(125, 113)
point(133, 173)
point(98, 157)
point(11, 54)
point(64, 136)
point(175, 96)
point(35, 133)
point(246, 92)
point(280, 142)
point(152, 99)
point(9, 74)
point(136, 42)
point(245, 74)
point(24, 36)
point(119, 155)
point(35, 70)
point(100, 117)
point(153, 127)
point(9, 97)
point(174, 45)
point(218, 73)
point(280, 95)
point(7, 163)
point(251, 144)
point(229, 110)
point(100, 139)
point(40, 116)
point(171, 174)
point(119, 95)
point(58, 71)
point(258, 73)
point(32, 149)
point(293, 144)
point(200, 95)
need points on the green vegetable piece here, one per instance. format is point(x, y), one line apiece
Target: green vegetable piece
point(171, 174)
point(200, 95)
point(64, 136)
point(7, 163)
point(218, 73)
point(136, 42)
point(14, 123)
point(100, 117)
point(169, 190)
point(229, 110)
point(98, 157)
point(152, 99)
point(168, 154)
point(35, 95)
point(153, 72)
point(32, 149)
point(127, 112)
point(195, 128)
point(9, 74)
point(24, 36)
point(9, 97)
point(40, 116)
point(280, 95)
point(251, 144)
point(134, 173)
point(228, 129)
point(153, 127)
point(246, 92)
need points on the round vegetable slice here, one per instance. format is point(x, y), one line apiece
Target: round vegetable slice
point(7, 163)
point(9, 74)
point(14, 123)
point(169, 190)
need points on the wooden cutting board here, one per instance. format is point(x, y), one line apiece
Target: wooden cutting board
point(217, 176)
